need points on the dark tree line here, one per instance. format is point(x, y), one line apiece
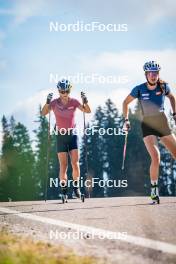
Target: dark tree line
point(24, 163)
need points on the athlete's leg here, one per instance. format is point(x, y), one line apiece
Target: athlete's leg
point(170, 143)
point(63, 162)
point(153, 150)
point(74, 156)
point(151, 144)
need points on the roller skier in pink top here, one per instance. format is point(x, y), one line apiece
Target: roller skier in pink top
point(64, 109)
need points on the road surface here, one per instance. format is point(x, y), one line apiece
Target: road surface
point(118, 230)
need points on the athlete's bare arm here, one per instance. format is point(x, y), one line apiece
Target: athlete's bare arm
point(85, 108)
point(172, 101)
point(45, 110)
point(126, 102)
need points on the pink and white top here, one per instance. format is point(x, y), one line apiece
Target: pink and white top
point(65, 114)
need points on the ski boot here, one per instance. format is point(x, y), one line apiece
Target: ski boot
point(155, 194)
point(64, 196)
point(77, 193)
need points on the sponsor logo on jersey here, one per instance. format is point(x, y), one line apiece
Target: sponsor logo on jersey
point(145, 94)
point(60, 107)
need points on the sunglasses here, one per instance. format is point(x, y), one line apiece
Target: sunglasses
point(64, 92)
point(152, 73)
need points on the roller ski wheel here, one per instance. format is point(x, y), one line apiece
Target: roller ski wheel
point(78, 195)
point(155, 200)
point(82, 198)
point(155, 194)
point(64, 198)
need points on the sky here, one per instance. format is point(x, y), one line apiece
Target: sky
point(31, 54)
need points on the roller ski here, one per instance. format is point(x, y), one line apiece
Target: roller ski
point(155, 194)
point(77, 193)
point(64, 196)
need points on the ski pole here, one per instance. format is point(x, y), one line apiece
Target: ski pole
point(85, 144)
point(124, 150)
point(47, 157)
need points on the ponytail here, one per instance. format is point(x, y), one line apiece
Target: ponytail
point(162, 85)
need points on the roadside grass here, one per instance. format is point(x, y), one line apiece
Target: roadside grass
point(19, 250)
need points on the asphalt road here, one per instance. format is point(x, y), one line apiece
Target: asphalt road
point(118, 230)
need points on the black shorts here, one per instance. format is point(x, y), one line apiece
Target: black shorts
point(156, 125)
point(66, 143)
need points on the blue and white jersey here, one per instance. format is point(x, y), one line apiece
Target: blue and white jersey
point(151, 101)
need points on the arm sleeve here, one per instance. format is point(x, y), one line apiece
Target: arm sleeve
point(135, 92)
point(167, 89)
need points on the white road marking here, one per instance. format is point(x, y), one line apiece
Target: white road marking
point(97, 232)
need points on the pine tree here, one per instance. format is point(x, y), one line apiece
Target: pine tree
point(167, 179)
point(113, 147)
point(8, 181)
point(46, 167)
point(17, 162)
point(24, 163)
point(41, 168)
point(53, 170)
point(94, 145)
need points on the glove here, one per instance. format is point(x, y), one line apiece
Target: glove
point(49, 98)
point(126, 125)
point(174, 117)
point(84, 98)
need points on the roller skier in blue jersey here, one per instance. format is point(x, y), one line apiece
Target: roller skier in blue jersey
point(151, 96)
